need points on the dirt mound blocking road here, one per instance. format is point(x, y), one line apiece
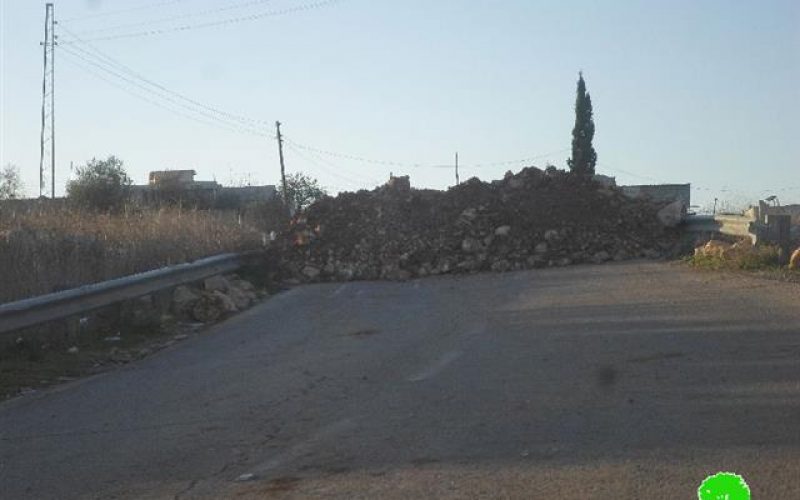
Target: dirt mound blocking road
point(531, 219)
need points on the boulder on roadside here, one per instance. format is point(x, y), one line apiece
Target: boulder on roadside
point(241, 298)
point(212, 306)
point(226, 303)
point(243, 285)
point(713, 248)
point(207, 309)
point(184, 300)
point(794, 260)
point(216, 283)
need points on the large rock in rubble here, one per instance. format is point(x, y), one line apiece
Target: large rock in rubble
point(672, 214)
point(183, 300)
point(219, 297)
point(794, 260)
point(531, 219)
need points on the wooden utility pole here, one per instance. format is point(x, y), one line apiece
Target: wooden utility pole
point(457, 180)
point(283, 167)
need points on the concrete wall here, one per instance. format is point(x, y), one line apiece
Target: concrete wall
point(794, 211)
point(730, 225)
point(204, 193)
point(662, 193)
point(249, 194)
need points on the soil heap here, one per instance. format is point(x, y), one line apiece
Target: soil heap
point(528, 220)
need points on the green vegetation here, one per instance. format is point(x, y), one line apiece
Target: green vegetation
point(10, 183)
point(100, 185)
point(302, 190)
point(584, 157)
point(762, 257)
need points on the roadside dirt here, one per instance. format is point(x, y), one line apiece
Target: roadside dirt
point(29, 365)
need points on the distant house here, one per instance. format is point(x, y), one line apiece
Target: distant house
point(172, 177)
point(166, 186)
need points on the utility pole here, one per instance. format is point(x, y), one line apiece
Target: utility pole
point(52, 103)
point(283, 167)
point(47, 137)
point(457, 180)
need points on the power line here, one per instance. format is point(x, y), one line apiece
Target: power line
point(99, 55)
point(516, 162)
point(361, 159)
point(212, 122)
point(223, 22)
point(148, 100)
point(418, 165)
point(326, 162)
point(174, 101)
point(632, 174)
point(345, 178)
point(121, 11)
point(176, 17)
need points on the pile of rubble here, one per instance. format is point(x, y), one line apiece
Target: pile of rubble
point(218, 297)
point(532, 219)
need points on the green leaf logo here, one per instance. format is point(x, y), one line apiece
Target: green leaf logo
point(724, 486)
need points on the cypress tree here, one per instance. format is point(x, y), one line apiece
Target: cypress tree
point(584, 156)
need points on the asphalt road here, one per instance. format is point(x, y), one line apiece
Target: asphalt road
point(632, 380)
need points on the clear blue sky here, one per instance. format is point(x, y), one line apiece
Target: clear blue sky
point(699, 91)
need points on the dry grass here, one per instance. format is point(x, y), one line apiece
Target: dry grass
point(763, 257)
point(49, 248)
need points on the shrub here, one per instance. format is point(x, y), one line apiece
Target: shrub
point(760, 257)
point(749, 258)
point(100, 184)
point(10, 183)
point(301, 190)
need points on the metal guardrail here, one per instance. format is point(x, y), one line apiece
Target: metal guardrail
point(59, 305)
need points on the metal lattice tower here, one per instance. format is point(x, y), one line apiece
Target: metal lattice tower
point(48, 137)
